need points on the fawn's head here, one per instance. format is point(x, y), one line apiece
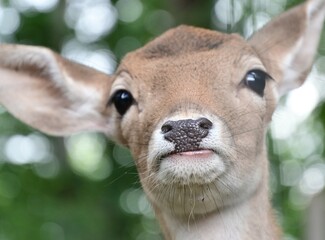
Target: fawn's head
point(194, 111)
point(192, 105)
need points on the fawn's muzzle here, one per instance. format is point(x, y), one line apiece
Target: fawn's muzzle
point(186, 134)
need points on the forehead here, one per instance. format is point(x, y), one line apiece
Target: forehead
point(185, 50)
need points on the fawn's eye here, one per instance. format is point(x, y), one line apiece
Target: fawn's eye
point(122, 101)
point(255, 80)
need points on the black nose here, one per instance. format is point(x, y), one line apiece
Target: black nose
point(186, 134)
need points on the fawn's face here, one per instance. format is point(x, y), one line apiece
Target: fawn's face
point(192, 105)
point(195, 122)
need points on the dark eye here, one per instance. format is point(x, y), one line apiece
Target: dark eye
point(122, 101)
point(255, 80)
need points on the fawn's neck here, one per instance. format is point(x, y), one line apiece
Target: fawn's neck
point(249, 220)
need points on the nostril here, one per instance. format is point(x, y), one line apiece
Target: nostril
point(205, 123)
point(166, 127)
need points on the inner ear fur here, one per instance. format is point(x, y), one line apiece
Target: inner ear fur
point(288, 44)
point(50, 93)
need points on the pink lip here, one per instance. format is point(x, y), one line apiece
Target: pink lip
point(190, 155)
point(200, 153)
point(193, 158)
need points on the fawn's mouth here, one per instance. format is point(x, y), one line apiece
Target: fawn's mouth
point(190, 167)
point(192, 155)
point(200, 153)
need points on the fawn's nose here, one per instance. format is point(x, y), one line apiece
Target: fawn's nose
point(186, 134)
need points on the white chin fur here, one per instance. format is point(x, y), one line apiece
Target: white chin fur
point(191, 182)
point(190, 169)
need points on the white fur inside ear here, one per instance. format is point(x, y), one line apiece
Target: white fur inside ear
point(36, 61)
point(84, 99)
point(42, 62)
point(291, 73)
point(58, 96)
point(300, 57)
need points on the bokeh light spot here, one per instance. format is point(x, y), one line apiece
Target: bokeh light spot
point(159, 21)
point(129, 10)
point(131, 201)
point(122, 156)
point(313, 180)
point(86, 155)
point(21, 149)
point(254, 22)
point(291, 172)
point(301, 105)
point(95, 22)
point(41, 5)
point(91, 20)
point(9, 20)
point(298, 200)
point(228, 12)
point(91, 55)
point(34, 5)
point(52, 231)
point(48, 169)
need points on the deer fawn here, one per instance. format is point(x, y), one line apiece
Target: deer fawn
point(193, 107)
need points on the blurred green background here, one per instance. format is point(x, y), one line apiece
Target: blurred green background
point(85, 187)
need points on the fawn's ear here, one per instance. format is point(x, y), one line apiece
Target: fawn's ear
point(50, 93)
point(288, 44)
